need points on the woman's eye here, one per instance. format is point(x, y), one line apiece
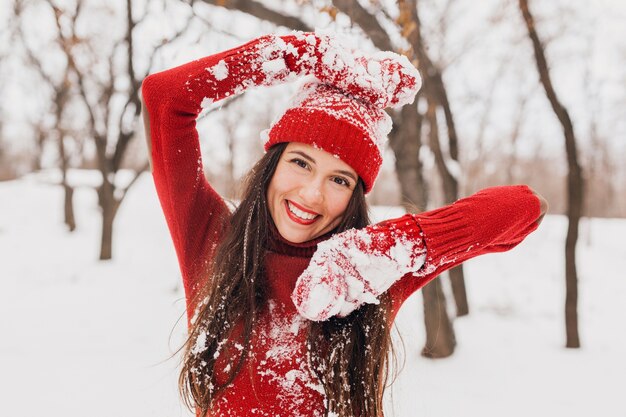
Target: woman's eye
point(300, 163)
point(341, 181)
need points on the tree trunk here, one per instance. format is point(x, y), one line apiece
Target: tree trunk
point(451, 191)
point(68, 190)
point(109, 206)
point(38, 154)
point(440, 339)
point(574, 207)
point(405, 141)
point(457, 281)
point(435, 91)
point(106, 242)
point(68, 207)
point(574, 181)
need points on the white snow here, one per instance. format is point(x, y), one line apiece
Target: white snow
point(82, 337)
point(219, 71)
point(206, 102)
point(358, 260)
point(285, 352)
point(274, 66)
point(200, 345)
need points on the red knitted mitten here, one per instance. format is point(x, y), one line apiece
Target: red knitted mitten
point(383, 79)
point(356, 266)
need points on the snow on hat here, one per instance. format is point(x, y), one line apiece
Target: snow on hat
point(347, 118)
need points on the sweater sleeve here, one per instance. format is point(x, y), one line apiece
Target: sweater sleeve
point(195, 213)
point(493, 220)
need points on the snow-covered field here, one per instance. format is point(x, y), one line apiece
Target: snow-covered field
point(79, 337)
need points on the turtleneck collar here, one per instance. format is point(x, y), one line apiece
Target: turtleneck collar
point(278, 244)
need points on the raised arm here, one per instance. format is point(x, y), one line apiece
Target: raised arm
point(194, 212)
point(402, 255)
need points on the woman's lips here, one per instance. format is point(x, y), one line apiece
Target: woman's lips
point(297, 218)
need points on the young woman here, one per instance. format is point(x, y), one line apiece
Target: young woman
point(291, 298)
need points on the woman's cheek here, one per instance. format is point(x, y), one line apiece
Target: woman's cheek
point(285, 177)
point(340, 201)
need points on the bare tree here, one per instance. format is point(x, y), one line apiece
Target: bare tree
point(60, 87)
point(450, 192)
point(518, 122)
point(8, 33)
point(435, 90)
point(475, 165)
point(111, 129)
point(574, 179)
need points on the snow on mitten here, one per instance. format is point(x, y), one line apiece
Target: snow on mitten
point(391, 80)
point(382, 79)
point(356, 266)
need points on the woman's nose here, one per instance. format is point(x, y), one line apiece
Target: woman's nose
point(311, 193)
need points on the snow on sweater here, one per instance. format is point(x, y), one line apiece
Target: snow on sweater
point(281, 382)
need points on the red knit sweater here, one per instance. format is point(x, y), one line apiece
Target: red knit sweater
point(281, 383)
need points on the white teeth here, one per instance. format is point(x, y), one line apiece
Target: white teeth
point(303, 215)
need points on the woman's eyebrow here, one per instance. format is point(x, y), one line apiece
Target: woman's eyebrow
point(305, 156)
point(310, 159)
point(347, 174)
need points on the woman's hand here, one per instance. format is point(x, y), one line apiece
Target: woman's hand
point(383, 79)
point(356, 266)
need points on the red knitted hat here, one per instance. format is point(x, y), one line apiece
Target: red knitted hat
point(347, 118)
point(328, 119)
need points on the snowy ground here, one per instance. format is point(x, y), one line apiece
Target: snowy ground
point(80, 337)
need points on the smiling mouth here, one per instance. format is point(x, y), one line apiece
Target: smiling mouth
point(299, 215)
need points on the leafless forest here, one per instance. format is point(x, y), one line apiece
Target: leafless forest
point(515, 91)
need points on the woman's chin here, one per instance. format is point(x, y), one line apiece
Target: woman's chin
point(295, 237)
point(297, 234)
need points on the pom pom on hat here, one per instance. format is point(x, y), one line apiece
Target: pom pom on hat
point(346, 118)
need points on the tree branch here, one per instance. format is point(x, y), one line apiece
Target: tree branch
point(366, 22)
point(260, 11)
point(133, 96)
point(138, 173)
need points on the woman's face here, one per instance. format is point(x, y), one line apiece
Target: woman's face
point(309, 192)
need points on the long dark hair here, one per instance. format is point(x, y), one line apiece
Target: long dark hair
point(354, 365)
